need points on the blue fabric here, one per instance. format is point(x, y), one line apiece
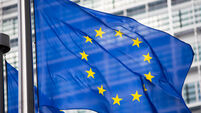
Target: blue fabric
point(12, 85)
point(116, 63)
point(49, 109)
point(12, 78)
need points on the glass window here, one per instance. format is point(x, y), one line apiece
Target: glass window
point(10, 9)
point(189, 93)
point(14, 42)
point(136, 10)
point(120, 13)
point(175, 2)
point(157, 5)
point(10, 26)
point(76, 1)
point(199, 92)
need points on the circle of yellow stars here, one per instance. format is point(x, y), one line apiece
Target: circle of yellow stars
point(136, 42)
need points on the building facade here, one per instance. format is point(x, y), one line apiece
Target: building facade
point(181, 18)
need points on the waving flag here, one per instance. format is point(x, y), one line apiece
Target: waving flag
point(12, 79)
point(110, 64)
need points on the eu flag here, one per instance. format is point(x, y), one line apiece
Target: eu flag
point(12, 85)
point(88, 59)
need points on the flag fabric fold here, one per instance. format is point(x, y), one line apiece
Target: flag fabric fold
point(88, 59)
point(12, 88)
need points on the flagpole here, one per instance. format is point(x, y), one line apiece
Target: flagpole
point(4, 48)
point(2, 107)
point(26, 91)
point(6, 84)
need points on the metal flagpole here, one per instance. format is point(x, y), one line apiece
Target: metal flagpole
point(6, 85)
point(2, 107)
point(26, 92)
point(4, 48)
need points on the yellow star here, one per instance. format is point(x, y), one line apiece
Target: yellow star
point(145, 89)
point(117, 100)
point(118, 33)
point(136, 42)
point(136, 96)
point(90, 73)
point(84, 56)
point(99, 32)
point(101, 90)
point(88, 39)
point(149, 76)
point(147, 58)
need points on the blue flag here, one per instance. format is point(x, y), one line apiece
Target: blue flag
point(12, 79)
point(87, 59)
point(12, 85)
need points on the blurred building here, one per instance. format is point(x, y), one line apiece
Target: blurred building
point(181, 18)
